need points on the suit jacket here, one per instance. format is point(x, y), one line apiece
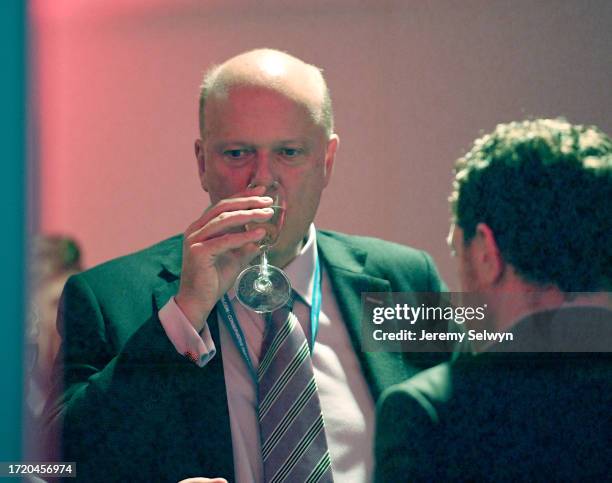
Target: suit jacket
point(496, 416)
point(128, 407)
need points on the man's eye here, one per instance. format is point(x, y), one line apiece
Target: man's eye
point(291, 152)
point(236, 154)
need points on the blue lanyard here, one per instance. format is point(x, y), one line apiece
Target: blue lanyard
point(233, 326)
point(231, 322)
point(315, 311)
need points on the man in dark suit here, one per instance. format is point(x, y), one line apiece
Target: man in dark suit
point(154, 382)
point(532, 227)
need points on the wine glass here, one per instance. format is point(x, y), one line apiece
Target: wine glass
point(264, 287)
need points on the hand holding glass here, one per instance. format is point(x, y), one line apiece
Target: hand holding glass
point(264, 287)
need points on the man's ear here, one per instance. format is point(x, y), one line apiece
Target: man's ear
point(486, 256)
point(330, 157)
point(201, 159)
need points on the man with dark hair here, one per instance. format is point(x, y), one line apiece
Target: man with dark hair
point(161, 364)
point(543, 189)
point(532, 226)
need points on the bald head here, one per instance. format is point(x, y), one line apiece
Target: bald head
point(274, 70)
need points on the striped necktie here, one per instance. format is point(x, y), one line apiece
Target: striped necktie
point(294, 446)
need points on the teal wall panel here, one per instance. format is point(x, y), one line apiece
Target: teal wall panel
point(12, 215)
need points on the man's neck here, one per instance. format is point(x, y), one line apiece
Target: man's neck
point(284, 258)
point(512, 306)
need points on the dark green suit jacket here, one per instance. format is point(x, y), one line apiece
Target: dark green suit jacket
point(128, 407)
point(504, 416)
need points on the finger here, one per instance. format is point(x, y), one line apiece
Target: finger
point(239, 203)
point(229, 241)
point(230, 222)
point(247, 253)
point(256, 192)
point(229, 205)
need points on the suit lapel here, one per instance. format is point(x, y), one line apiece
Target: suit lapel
point(205, 407)
point(345, 265)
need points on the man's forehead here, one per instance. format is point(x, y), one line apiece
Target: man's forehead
point(450, 236)
point(255, 88)
point(248, 106)
point(455, 239)
point(273, 72)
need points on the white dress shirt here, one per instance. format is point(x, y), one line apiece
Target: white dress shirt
point(346, 402)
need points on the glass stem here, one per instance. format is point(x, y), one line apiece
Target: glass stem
point(263, 266)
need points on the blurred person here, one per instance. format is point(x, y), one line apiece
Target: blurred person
point(52, 260)
point(163, 370)
point(532, 234)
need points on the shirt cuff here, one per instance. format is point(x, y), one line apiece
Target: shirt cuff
point(198, 348)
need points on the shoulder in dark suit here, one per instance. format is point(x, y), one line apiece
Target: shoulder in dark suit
point(501, 417)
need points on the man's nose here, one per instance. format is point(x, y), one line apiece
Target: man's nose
point(264, 173)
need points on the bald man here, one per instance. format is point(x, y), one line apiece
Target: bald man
point(160, 360)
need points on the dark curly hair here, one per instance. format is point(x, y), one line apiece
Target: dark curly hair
point(544, 187)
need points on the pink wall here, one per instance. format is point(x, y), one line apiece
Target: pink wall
point(413, 82)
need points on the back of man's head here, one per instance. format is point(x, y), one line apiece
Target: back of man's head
point(544, 187)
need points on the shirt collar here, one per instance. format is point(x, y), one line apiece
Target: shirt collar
point(301, 270)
